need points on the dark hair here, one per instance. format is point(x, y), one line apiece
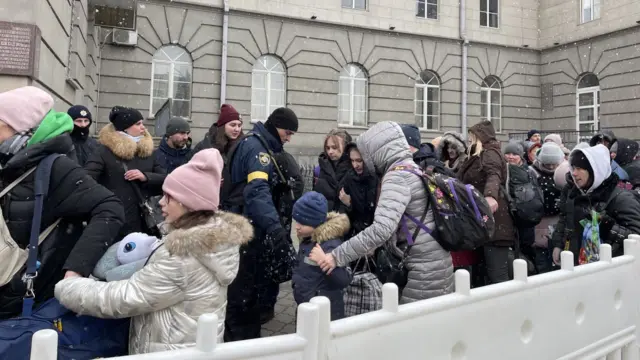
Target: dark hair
point(220, 140)
point(192, 218)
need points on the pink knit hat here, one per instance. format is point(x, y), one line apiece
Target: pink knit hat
point(196, 184)
point(24, 108)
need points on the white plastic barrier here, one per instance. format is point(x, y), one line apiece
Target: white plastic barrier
point(585, 312)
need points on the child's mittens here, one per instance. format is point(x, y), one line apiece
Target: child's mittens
point(107, 262)
point(135, 247)
point(123, 272)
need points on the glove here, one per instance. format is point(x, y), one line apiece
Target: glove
point(280, 255)
point(606, 224)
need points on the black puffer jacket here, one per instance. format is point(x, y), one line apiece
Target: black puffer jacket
point(427, 157)
point(331, 176)
point(623, 207)
point(363, 192)
point(73, 196)
point(106, 167)
point(285, 195)
point(84, 146)
point(549, 190)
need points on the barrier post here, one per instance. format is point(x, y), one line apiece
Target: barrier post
point(308, 328)
point(390, 297)
point(566, 260)
point(207, 335)
point(462, 280)
point(44, 345)
point(632, 248)
point(520, 270)
point(605, 253)
point(324, 326)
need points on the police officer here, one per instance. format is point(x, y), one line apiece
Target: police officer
point(267, 259)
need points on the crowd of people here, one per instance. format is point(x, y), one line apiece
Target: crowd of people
point(208, 229)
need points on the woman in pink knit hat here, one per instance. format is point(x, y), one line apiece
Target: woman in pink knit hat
point(186, 276)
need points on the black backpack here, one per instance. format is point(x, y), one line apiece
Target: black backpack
point(463, 217)
point(526, 200)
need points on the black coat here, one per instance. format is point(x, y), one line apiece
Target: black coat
point(624, 208)
point(285, 195)
point(363, 192)
point(84, 147)
point(170, 158)
point(73, 196)
point(106, 167)
point(331, 177)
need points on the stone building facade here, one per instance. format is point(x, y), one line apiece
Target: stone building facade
point(546, 64)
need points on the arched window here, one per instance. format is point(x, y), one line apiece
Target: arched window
point(588, 104)
point(268, 87)
point(427, 101)
point(171, 71)
point(491, 101)
point(353, 96)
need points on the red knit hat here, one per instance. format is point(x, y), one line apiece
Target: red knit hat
point(227, 114)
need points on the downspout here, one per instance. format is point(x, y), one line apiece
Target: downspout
point(225, 38)
point(465, 47)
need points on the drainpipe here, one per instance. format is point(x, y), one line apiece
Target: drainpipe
point(225, 38)
point(465, 47)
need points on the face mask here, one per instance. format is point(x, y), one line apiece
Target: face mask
point(134, 138)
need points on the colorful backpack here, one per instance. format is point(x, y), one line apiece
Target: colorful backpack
point(463, 217)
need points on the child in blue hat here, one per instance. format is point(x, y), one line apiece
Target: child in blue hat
point(315, 226)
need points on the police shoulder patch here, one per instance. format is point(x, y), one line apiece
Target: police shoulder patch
point(264, 159)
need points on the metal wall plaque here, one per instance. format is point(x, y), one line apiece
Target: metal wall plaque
point(19, 49)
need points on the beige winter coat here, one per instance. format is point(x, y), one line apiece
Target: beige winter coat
point(186, 277)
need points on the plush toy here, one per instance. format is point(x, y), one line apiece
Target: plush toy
point(125, 257)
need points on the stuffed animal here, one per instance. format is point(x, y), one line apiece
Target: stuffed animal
point(125, 257)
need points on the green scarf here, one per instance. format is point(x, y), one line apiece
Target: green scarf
point(53, 124)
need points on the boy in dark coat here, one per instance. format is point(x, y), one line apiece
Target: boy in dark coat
point(317, 228)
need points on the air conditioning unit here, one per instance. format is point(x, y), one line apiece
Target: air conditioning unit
point(124, 37)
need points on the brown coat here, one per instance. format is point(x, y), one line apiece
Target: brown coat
point(487, 172)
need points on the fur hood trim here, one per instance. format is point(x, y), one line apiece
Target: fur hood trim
point(125, 148)
point(336, 226)
point(451, 137)
point(222, 229)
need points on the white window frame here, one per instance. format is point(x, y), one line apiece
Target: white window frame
point(270, 72)
point(353, 5)
point(353, 71)
point(593, 5)
point(172, 63)
point(595, 90)
point(489, 89)
point(425, 86)
point(426, 9)
point(489, 13)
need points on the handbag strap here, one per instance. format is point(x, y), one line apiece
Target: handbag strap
point(16, 181)
point(40, 190)
point(136, 189)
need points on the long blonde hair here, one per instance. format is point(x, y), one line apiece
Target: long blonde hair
point(474, 141)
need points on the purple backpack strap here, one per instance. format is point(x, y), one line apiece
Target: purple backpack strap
point(316, 171)
point(405, 216)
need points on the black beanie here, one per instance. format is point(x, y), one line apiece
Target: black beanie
point(79, 111)
point(177, 125)
point(531, 133)
point(283, 118)
point(579, 160)
point(123, 117)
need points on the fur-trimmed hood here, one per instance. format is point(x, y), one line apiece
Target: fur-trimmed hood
point(222, 230)
point(123, 147)
point(452, 138)
point(336, 226)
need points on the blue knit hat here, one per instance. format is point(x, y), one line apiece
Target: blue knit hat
point(311, 209)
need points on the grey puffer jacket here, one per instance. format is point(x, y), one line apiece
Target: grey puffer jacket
point(429, 265)
point(186, 277)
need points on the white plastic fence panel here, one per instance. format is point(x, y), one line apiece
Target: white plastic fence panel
point(567, 314)
point(586, 312)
